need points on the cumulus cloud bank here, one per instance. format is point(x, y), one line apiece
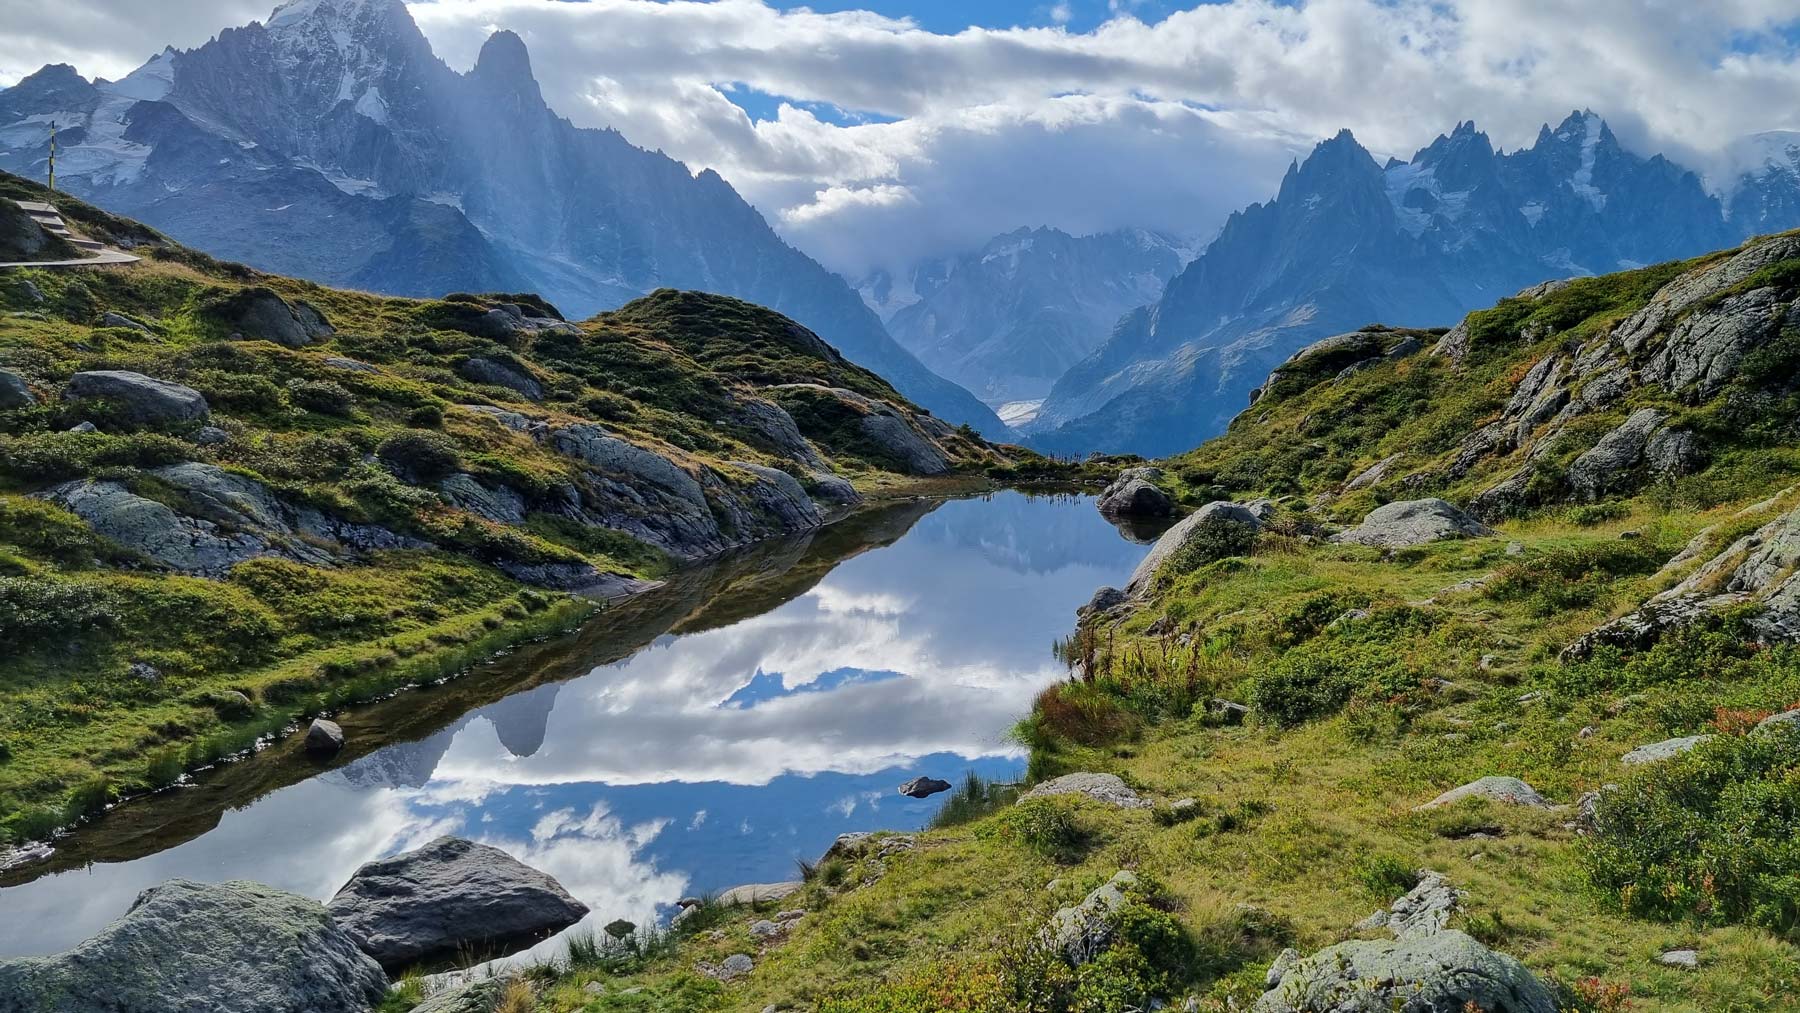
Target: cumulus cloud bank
point(875, 138)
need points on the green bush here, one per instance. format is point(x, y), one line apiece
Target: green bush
point(1713, 834)
point(419, 455)
point(41, 613)
point(322, 396)
point(1045, 825)
point(1385, 877)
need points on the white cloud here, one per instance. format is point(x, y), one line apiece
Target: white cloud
point(882, 140)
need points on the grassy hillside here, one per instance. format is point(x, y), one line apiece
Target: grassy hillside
point(324, 494)
point(1624, 436)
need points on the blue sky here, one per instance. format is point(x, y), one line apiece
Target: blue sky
point(922, 127)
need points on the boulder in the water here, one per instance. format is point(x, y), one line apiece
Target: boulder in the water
point(450, 896)
point(188, 947)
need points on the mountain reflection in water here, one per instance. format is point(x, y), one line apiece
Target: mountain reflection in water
point(702, 736)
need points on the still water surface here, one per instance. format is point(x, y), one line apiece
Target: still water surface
point(699, 737)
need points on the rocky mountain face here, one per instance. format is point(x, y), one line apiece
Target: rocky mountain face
point(1347, 241)
point(330, 143)
point(1009, 318)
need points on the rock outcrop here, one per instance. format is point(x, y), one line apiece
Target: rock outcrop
point(1761, 568)
point(134, 399)
point(1413, 522)
point(496, 373)
point(1083, 931)
point(1106, 788)
point(1509, 790)
point(259, 313)
point(189, 947)
point(450, 895)
point(1445, 972)
point(225, 519)
point(14, 393)
point(1427, 967)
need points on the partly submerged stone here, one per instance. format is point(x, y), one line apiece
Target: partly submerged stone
point(187, 947)
point(450, 896)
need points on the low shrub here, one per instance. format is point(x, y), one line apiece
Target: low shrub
point(419, 455)
point(40, 613)
point(1713, 834)
point(1044, 825)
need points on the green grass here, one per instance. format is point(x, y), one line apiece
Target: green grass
point(242, 655)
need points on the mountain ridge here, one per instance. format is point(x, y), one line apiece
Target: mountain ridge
point(1346, 241)
point(331, 143)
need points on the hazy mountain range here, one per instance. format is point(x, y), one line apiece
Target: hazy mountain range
point(332, 144)
point(1349, 241)
point(1009, 318)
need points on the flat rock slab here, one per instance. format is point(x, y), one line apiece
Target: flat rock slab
point(188, 947)
point(1658, 751)
point(1509, 790)
point(450, 896)
point(756, 893)
point(1105, 788)
point(1413, 522)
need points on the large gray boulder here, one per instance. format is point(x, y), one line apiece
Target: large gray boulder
point(1493, 788)
point(1656, 752)
point(450, 895)
point(187, 947)
point(1134, 494)
point(1251, 516)
point(1705, 348)
point(1413, 522)
point(259, 312)
point(495, 373)
point(499, 503)
point(13, 391)
point(775, 428)
point(1083, 931)
point(136, 399)
point(1440, 972)
point(1698, 285)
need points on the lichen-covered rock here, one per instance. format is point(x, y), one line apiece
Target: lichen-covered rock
point(499, 503)
point(1083, 931)
point(450, 895)
point(14, 393)
point(757, 893)
point(1374, 474)
point(189, 947)
point(1105, 788)
point(225, 519)
point(1442, 972)
point(1608, 465)
point(1762, 567)
point(136, 399)
point(258, 312)
point(776, 429)
point(495, 373)
point(1413, 522)
point(1656, 752)
point(1703, 351)
point(482, 996)
point(1509, 790)
point(1707, 282)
